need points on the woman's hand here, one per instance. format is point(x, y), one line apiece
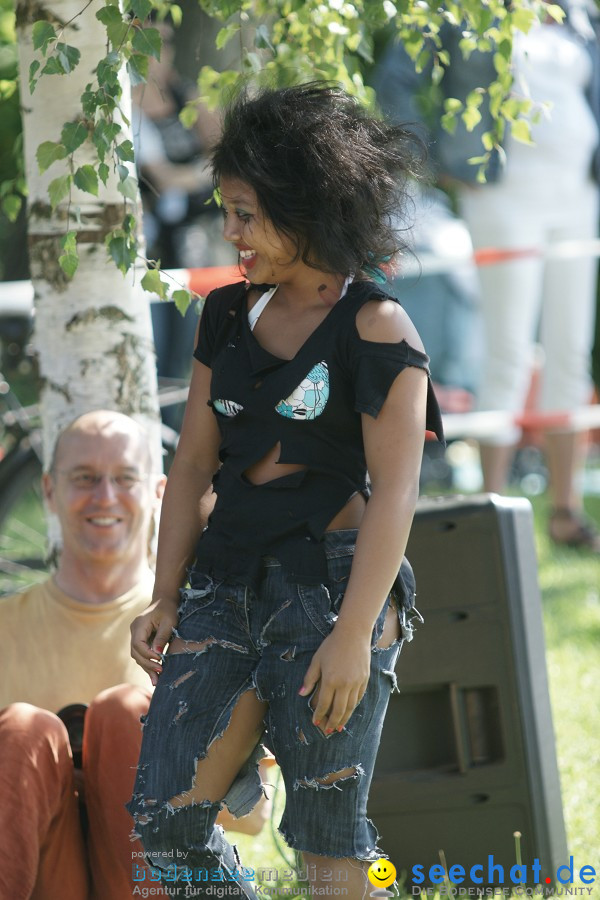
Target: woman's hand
point(150, 633)
point(341, 666)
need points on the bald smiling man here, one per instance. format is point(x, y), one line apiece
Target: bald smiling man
point(66, 641)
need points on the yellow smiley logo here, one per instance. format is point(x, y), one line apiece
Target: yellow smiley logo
point(381, 873)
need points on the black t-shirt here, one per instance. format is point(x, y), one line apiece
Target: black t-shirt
point(310, 405)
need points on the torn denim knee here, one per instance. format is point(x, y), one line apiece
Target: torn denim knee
point(163, 830)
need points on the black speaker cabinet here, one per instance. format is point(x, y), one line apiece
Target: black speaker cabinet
point(467, 755)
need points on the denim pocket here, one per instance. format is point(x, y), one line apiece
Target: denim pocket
point(316, 603)
point(201, 593)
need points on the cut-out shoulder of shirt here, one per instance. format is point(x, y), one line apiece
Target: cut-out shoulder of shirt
point(385, 322)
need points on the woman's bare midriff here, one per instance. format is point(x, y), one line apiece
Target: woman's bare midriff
point(268, 469)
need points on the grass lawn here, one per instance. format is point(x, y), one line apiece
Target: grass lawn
point(570, 584)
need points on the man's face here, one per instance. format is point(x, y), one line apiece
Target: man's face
point(103, 493)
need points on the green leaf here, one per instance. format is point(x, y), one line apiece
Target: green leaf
point(176, 14)
point(68, 56)
point(148, 41)
point(128, 187)
point(42, 33)
point(103, 173)
point(471, 117)
point(138, 68)
point(475, 98)
point(488, 141)
point(112, 130)
point(69, 242)
point(557, 13)
point(214, 86)
point(152, 282)
point(520, 131)
point(224, 35)
point(86, 179)
point(89, 102)
point(501, 64)
point(107, 70)
point(222, 9)
point(182, 300)
point(32, 71)
point(449, 122)
point(48, 152)
point(522, 18)
point(69, 260)
point(11, 206)
point(452, 105)
point(124, 150)
point(53, 67)
point(103, 135)
point(141, 8)
point(467, 46)
point(121, 251)
point(58, 189)
point(116, 28)
point(189, 114)
point(73, 135)
point(109, 15)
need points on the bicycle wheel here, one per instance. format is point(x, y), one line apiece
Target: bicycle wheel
point(22, 521)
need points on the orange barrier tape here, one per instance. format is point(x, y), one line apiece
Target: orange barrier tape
point(491, 423)
point(487, 256)
point(202, 281)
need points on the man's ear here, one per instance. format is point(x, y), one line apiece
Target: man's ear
point(48, 490)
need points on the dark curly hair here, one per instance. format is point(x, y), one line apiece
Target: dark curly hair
point(328, 175)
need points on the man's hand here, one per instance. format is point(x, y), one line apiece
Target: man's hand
point(341, 666)
point(150, 633)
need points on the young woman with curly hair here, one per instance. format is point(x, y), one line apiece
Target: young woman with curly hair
point(307, 374)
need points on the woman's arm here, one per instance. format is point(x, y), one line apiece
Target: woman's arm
point(393, 447)
point(185, 508)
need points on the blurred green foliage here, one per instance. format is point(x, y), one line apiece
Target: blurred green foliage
point(13, 261)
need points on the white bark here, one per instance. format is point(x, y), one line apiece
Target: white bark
point(93, 334)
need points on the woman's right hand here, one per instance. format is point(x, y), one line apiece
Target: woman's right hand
point(150, 633)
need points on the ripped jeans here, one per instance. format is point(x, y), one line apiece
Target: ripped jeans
point(265, 642)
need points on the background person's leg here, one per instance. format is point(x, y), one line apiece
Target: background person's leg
point(42, 853)
point(567, 334)
point(111, 746)
point(511, 297)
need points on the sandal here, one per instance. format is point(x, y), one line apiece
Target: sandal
point(582, 533)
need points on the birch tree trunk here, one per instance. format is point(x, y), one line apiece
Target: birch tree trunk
point(93, 333)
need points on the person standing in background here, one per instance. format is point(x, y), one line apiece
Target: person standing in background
point(182, 223)
point(534, 195)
